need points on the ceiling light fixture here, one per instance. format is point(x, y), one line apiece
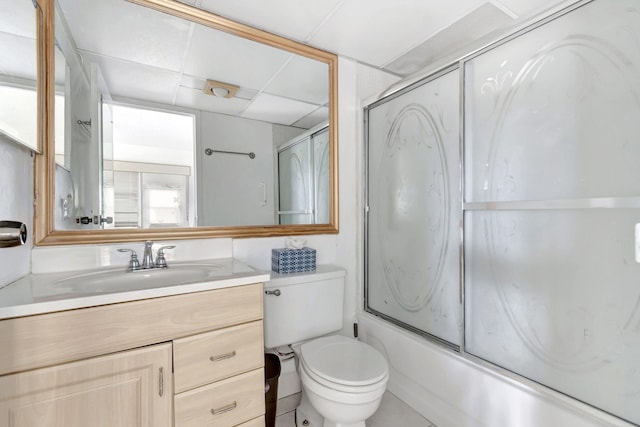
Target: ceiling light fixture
point(220, 89)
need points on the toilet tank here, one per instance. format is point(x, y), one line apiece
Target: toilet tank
point(309, 305)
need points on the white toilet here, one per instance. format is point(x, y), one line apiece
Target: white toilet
point(343, 379)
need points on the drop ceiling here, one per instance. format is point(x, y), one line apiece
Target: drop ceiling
point(147, 55)
point(373, 32)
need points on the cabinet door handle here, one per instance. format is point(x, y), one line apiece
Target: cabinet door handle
point(226, 408)
point(223, 356)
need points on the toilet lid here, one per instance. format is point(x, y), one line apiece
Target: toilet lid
point(344, 361)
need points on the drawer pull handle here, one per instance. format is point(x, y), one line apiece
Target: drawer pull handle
point(223, 356)
point(227, 408)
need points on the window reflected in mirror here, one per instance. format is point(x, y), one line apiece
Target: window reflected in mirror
point(18, 73)
point(152, 163)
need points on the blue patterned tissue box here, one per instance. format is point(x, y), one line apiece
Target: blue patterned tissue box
point(284, 260)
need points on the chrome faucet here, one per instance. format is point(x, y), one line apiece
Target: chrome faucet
point(161, 262)
point(147, 258)
point(134, 264)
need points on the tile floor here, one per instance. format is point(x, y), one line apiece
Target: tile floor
point(392, 413)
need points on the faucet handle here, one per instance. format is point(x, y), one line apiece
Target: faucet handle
point(134, 264)
point(161, 262)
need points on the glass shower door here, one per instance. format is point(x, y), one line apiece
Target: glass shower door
point(414, 211)
point(295, 183)
point(552, 203)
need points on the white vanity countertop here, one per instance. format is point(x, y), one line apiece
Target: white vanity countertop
point(45, 293)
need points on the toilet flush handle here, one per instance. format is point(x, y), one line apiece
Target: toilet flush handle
point(276, 292)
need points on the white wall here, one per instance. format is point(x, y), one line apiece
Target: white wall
point(16, 197)
point(231, 188)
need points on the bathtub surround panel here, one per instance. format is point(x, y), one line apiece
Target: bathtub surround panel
point(452, 391)
point(413, 200)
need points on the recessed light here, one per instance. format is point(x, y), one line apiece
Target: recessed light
point(220, 89)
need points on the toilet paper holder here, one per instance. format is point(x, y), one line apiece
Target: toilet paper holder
point(12, 233)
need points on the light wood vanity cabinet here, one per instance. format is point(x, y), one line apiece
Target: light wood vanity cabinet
point(122, 389)
point(185, 360)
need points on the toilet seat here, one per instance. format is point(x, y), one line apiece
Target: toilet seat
point(344, 364)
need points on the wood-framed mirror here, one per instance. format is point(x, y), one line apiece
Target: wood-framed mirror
point(178, 124)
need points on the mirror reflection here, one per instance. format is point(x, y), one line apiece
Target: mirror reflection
point(168, 123)
point(18, 72)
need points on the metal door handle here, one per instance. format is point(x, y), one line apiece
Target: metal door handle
point(276, 292)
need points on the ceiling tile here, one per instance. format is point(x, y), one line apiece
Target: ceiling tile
point(137, 81)
point(127, 31)
point(377, 31)
point(227, 58)
point(274, 109)
point(319, 116)
point(192, 82)
point(195, 98)
point(303, 79)
point(18, 17)
point(292, 19)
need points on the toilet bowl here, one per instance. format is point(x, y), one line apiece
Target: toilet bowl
point(343, 380)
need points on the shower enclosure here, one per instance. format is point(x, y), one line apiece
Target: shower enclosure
point(303, 180)
point(503, 205)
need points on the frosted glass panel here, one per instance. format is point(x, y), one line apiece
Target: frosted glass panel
point(555, 113)
point(555, 296)
point(294, 184)
point(303, 180)
point(321, 174)
point(414, 208)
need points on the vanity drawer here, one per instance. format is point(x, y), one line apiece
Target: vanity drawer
point(225, 403)
point(212, 356)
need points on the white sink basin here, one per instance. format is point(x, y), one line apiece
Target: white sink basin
point(122, 280)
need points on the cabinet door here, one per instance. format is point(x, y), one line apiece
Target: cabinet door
point(131, 388)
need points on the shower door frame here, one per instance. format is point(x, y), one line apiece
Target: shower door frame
point(423, 78)
point(423, 81)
